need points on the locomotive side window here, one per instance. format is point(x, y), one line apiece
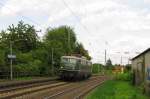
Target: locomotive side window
point(87, 63)
point(79, 61)
point(65, 60)
point(82, 62)
point(69, 60)
point(72, 60)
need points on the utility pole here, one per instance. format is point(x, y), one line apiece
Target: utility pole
point(52, 56)
point(121, 61)
point(106, 43)
point(68, 41)
point(103, 68)
point(128, 60)
point(105, 56)
point(11, 62)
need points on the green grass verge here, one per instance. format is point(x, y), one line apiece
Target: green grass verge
point(114, 89)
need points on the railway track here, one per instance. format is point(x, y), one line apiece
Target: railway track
point(87, 89)
point(53, 90)
point(77, 91)
point(15, 91)
point(8, 84)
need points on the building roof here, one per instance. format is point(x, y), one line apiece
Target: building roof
point(141, 54)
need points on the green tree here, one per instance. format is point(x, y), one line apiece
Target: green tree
point(23, 37)
point(97, 68)
point(62, 41)
point(3, 54)
point(109, 64)
point(63, 34)
point(81, 50)
point(34, 57)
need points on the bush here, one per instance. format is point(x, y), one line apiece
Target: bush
point(24, 58)
point(31, 68)
point(96, 68)
point(124, 76)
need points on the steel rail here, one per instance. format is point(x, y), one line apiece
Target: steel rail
point(33, 90)
point(4, 85)
point(86, 92)
point(26, 86)
point(70, 90)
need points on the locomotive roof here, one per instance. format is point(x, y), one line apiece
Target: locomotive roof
point(75, 57)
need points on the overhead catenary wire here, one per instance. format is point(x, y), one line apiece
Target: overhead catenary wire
point(74, 14)
point(38, 24)
point(78, 19)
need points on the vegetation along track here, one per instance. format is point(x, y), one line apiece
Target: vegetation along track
point(15, 91)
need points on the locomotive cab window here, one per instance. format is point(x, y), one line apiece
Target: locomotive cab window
point(72, 60)
point(64, 60)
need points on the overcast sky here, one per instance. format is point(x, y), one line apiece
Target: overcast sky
point(119, 26)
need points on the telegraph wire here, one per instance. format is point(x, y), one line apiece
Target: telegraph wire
point(73, 13)
point(36, 23)
point(78, 19)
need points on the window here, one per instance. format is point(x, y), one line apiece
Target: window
point(65, 60)
point(82, 62)
point(72, 60)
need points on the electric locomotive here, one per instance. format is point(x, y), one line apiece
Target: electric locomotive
point(73, 67)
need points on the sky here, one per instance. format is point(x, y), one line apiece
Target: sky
point(122, 27)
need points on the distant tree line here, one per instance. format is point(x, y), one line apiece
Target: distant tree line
point(97, 68)
point(33, 54)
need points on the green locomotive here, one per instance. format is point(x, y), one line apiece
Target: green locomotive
point(73, 67)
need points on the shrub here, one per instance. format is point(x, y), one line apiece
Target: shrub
point(124, 76)
point(96, 68)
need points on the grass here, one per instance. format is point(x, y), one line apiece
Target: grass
point(114, 89)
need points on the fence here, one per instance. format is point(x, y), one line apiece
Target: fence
point(6, 75)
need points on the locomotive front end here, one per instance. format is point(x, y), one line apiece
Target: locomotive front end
point(68, 68)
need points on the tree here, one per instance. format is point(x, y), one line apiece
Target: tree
point(63, 34)
point(109, 64)
point(128, 68)
point(81, 50)
point(63, 42)
point(23, 37)
point(97, 68)
point(34, 57)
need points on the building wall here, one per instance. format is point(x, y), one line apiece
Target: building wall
point(147, 67)
point(141, 68)
point(137, 68)
point(147, 72)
